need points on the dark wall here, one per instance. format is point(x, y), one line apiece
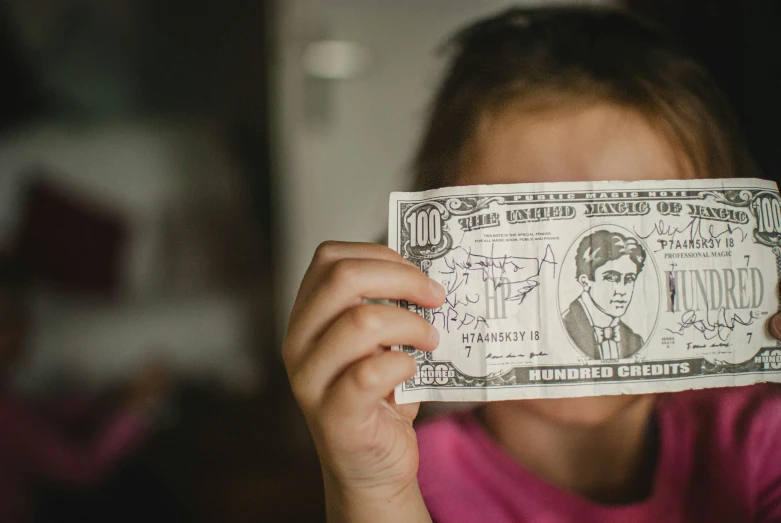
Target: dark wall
point(740, 43)
point(19, 97)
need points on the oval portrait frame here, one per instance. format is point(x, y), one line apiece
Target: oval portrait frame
point(568, 256)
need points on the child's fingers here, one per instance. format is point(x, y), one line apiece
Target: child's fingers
point(330, 252)
point(774, 325)
point(356, 334)
point(345, 286)
point(365, 384)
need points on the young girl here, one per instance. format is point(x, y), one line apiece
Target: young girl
point(573, 95)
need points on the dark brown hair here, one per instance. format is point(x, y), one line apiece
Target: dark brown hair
point(598, 55)
point(600, 247)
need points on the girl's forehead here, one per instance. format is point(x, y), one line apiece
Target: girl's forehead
point(598, 142)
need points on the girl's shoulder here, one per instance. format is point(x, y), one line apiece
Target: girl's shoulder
point(731, 409)
point(733, 430)
point(701, 433)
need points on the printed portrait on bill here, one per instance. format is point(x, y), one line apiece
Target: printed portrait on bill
point(607, 265)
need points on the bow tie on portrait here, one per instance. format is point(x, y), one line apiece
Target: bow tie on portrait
point(607, 334)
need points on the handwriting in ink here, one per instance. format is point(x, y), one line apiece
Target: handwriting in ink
point(521, 273)
point(695, 230)
point(722, 327)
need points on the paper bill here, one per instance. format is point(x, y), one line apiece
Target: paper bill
point(597, 288)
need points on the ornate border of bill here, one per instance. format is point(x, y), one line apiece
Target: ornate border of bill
point(593, 288)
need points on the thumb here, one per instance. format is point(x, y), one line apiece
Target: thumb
point(774, 325)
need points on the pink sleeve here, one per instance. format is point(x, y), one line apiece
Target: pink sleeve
point(42, 453)
point(764, 456)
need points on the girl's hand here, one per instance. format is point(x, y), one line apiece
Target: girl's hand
point(343, 375)
point(774, 325)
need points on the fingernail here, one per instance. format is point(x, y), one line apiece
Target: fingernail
point(437, 289)
point(775, 325)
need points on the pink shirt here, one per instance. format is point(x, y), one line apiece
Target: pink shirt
point(719, 461)
point(33, 449)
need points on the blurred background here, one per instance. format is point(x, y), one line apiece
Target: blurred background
point(167, 169)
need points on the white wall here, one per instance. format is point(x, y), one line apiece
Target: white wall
point(336, 173)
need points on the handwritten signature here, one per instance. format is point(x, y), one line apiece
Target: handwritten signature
point(714, 345)
point(522, 274)
point(532, 355)
point(722, 327)
point(695, 229)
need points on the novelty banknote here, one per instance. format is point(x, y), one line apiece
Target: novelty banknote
point(595, 288)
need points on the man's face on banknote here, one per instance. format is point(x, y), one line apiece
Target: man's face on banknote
point(613, 285)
